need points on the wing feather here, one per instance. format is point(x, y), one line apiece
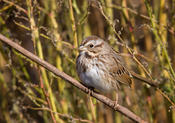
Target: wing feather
point(118, 71)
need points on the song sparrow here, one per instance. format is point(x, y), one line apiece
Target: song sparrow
point(100, 67)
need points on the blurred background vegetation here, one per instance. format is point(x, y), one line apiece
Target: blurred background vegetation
point(142, 30)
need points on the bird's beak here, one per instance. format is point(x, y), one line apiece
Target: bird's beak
point(81, 48)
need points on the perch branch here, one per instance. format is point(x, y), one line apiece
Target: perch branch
point(71, 80)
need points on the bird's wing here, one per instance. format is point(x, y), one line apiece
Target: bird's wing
point(118, 71)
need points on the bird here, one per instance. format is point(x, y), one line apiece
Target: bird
point(100, 67)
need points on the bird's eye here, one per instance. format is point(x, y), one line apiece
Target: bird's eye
point(91, 45)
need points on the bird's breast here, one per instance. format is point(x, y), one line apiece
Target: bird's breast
point(95, 76)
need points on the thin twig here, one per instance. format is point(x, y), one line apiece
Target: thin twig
point(17, 6)
point(71, 80)
point(139, 77)
point(60, 114)
point(47, 97)
point(119, 7)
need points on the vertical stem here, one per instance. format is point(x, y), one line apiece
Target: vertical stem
point(38, 48)
point(73, 24)
point(109, 10)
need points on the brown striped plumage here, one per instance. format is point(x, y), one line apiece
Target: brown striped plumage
point(100, 67)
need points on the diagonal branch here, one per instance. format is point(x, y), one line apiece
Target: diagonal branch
point(71, 80)
point(148, 81)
